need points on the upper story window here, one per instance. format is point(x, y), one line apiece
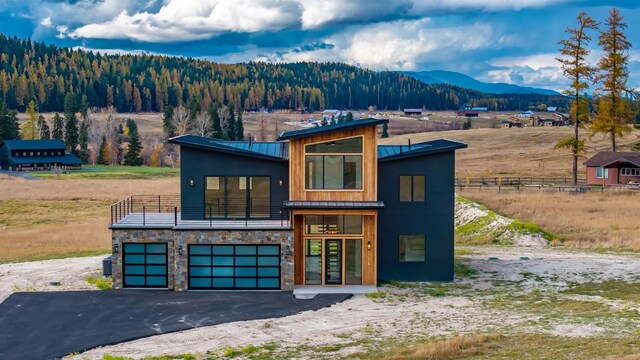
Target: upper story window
point(334, 165)
point(15, 153)
point(412, 188)
point(24, 153)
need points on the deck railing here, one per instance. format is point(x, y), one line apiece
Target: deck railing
point(149, 210)
point(516, 180)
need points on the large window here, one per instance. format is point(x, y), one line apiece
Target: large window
point(237, 196)
point(333, 224)
point(412, 188)
point(334, 165)
point(630, 171)
point(602, 173)
point(412, 248)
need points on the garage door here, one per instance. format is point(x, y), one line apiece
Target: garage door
point(234, 267)
point(144, 265)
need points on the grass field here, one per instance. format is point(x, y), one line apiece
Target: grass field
point(45, 219)
point(102, 172)
point(514, 152)
point(584, 220)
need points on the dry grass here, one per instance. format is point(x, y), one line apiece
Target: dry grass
point(520, 346)
point(52, 218)
point(513, 152)
point(585, 220)
point(453, 348)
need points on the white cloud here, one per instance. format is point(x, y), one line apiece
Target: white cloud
point(46, 22)
point(194, 19)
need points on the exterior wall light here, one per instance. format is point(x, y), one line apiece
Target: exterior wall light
point(180, 249)
point(281, 182)
point(368, 245)
point(287, 251)
point(116, 248)
point(192, 182)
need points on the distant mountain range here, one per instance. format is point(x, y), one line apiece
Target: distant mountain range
point(465, 81)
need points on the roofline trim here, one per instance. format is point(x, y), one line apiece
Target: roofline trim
point(223, 149)
point(423, 151)
point(327, 129)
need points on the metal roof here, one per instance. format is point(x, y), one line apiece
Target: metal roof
point(356, 124)
point(334, 205)
point(394, 152)
point(68, 159)
point(34, 144)
point(280, 150)
point(264, 150)
point(605, 158)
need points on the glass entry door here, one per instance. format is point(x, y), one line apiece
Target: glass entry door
point(333, 262)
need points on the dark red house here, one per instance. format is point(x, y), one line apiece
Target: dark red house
point(613, 168)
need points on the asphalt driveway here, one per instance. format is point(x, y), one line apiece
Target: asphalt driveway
point(49, 325)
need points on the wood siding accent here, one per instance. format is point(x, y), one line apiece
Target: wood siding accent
point(369, 191)
point(369, 234)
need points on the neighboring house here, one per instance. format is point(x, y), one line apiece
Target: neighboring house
point(511, 123)
point(332, 115)
point(23, 155)
point(322, 207)
point(613, 168)
point(525, 114)
point(552, 108)
point(412, 112)
point(480, 108)
point(468, 113)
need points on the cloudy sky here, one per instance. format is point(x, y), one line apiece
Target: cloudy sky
point(512, 41)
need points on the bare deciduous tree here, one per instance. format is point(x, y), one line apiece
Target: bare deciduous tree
point(181, 120)
point(201, 124)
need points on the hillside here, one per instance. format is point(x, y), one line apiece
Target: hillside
point(135, 83)
point(464, 81)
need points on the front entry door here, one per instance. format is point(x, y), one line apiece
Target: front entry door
point(333, 262)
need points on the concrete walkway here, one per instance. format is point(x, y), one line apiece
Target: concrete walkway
point(54, 324)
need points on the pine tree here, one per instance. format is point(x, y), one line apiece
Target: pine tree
point(613, 114)
point(71, 133)
point(58, 127)
point(230, 124)
point(385, 130)
point(132, 157)
point(9, 127)
point(349, 117)
point(83, 140)
point(84, 107)
point(168, 128)
point(70, 104)
point(43, 128)
point(239, 127)
point(214, 118)
point(102, 150)
point(29, 129)
point(575, 51)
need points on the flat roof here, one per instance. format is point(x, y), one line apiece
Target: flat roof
point(34, 144)
point(327, 129)
point(333, 205)
point(263, 150)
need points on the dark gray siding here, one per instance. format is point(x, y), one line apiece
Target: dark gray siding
point(198, 164)
point(433, 218)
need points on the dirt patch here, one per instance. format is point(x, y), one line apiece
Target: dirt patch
point(49, 275)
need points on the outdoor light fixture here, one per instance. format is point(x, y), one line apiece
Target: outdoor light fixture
point(368, 245)
point(116, 247)
point(192, 182)
point(332, 143)
point(287, 251)
point(179, 249)
point(281, 182)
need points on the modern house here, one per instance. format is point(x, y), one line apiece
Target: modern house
point(613, 168)
point(23, 155)
point(468, 113)
point(321, 208)
point(511, 123)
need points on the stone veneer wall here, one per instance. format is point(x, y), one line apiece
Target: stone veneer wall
point(177, 264)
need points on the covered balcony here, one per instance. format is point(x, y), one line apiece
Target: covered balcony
point(166, 212)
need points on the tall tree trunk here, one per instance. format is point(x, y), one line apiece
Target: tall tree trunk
point(613, 141)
